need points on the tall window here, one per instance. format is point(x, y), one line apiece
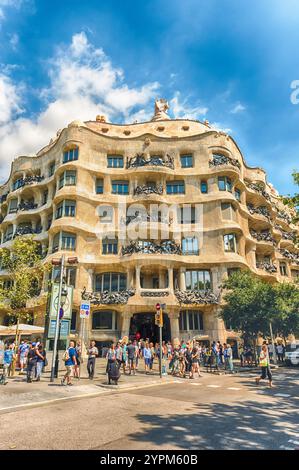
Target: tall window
point(120, 187)
point(112, 282)
point(70, 155)
point(64, 241)
point(204, 186)
point(51, 169)
point(198, 280)
point(66, 209)
point(70, 275)
point(109, 246)
point(115, 161)
point(191, 320)
point(187, 215)
point(68, 178)
point(224, 183)
point(45, 196)
point(190, 246)
point(238, 194)
point(230, 243)
point(8, 234)
point(186, 161)
point(99, 186)
point(17, 184)
point(13, 206)
point(228, 211)
point(283, 269)
point(104, 320)
point(175, 187)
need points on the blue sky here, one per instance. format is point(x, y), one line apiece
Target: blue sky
point(229, 61)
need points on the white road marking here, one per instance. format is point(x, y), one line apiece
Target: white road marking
point(213, 386)
point(233, 388)
point(284, 395)
point(194, 384)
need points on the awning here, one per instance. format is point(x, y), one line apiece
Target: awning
point(22, 330)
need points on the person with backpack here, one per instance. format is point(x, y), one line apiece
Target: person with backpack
point(70, 361)
point(31, 363)
point(7, 361)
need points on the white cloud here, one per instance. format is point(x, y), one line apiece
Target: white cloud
point(83, 83)
point(238, 108)
point(14, 41)
point(8, 3)
point(218, 126)
point(181, 109)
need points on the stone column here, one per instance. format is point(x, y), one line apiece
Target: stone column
point(182, 279)
point(216, 280)
point(170, 279)
point(214, 326)
point(138, 269)
point(174, 325)
point(125, 328)
point(130, 278)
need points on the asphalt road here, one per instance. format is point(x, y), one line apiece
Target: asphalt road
point(212, 412)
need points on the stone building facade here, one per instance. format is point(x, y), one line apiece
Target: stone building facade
point(155, 212)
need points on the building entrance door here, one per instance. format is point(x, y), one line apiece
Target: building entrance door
point(144, 324)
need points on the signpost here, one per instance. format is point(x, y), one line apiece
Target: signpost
point(84, 315)
point(159, 323)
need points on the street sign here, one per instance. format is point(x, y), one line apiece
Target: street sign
point(67, 308)
point(64, 329)
point(85, 309)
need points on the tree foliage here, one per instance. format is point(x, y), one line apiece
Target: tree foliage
point(252, 303)
point(24, 267)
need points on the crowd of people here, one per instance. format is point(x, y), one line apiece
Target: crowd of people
point(183, 359)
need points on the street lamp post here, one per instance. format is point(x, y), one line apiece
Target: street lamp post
point(57, 320)
point(61, 313)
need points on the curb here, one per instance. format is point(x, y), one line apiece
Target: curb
point(112, 390)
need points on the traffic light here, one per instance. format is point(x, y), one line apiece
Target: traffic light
point(159, 318)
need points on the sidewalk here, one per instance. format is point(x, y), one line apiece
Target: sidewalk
point(20, 394)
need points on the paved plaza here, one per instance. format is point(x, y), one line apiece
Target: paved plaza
point(211, 412)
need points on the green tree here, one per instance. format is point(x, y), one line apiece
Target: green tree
point(293, 201)
point(286, 318)
point(249, 305)
point(24, 267)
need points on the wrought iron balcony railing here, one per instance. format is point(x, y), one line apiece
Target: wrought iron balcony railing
point(150, 247)
point(148, 189)
point(284, 216)
point(142, 217)
point(198, 297)
point(107, 297)
point(261, 210)
point(258, 188)
point(29, 180)
point(263, 236)
point(140, 160)
point(269, 267)
point(27, 206)
point(223, 160)
point(294, 257)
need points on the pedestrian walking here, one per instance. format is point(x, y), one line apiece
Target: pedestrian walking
point(195, 362)
point(31, 362)
point(70, 361)
point(280, 352)
point(40, 360)
point(188, 361)
point(264, 362)
point(132, 353)
point(228, 358)
point(78, 349)
point(147, 355)
point(7, 361)
point(93, 352)
point(23, 352)
point(119, 353)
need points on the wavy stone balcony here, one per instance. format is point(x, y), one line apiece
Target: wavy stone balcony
point(164, 247)
point(141, 161)
point(147, 190)
point(258, 188)
point(107, 297)
point(263, 236)
point(224, 160)
point(294, 257)
point(29, 180)
point(266, 266)
point(284, 216)
point(196, 297)
point(261, 210)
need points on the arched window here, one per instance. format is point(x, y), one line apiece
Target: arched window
point(104, 320)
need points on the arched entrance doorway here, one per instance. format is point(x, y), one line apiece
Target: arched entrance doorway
point(144, 324)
